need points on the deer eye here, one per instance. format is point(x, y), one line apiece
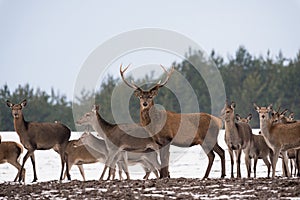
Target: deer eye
point(150, 97)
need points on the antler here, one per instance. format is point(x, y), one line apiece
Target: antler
point(158, 84)
point(132, 85)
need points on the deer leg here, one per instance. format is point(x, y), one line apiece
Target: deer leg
point(70, 164)
point(110, 161)
point(266, 161)
point(23, 163)
point(81, 170)
point(255, 164)
point(285, 160)
point(298, 162)
point(32, 157)
point(221, 153)
point(120, 167)
point(164, 159)
point(211, 157)
point(274, 161)
point(125, 164)
point(65, 161)
point(238, 162)
point(232, 161)
point(103, 173)
point(148, 171)
point(291, 164)
point(248, 164)
point(17, 165)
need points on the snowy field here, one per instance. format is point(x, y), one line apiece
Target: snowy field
point(184, 162)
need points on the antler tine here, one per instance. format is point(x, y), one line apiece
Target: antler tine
point(168, 75)
point(284, 112)
point(278, 109)
point(132, 85)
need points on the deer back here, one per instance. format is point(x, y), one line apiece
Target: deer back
point(10, 150)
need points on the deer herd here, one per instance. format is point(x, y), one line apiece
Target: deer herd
point(148, 142)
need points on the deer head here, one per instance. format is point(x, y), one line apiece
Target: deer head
point(227, 113)
point(89, 118)
point(245, 120)
point(263, 112)
point(146, 97)
point(16, 109)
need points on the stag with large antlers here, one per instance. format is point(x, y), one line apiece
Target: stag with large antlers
point(40, 136)
point(183, 130)
point(279, 136)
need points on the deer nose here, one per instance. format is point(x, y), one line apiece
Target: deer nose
point(145, 104)
point(263, 116)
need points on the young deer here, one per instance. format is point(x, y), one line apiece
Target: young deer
point(238, 137)
point(279, 136)
point(10, 152)
point(258, 147)
point(183, 130)
point(97, 146)
point(39, 136)
point(79, 155)
point(117, 139)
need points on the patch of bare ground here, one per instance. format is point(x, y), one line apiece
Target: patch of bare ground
point(179, 188)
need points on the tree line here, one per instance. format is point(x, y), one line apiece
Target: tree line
point(247, 79)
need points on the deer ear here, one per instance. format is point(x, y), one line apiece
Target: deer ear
point(154, 90)
point(23, 103)
point(95, 108)
point(232, 105)
point(9, 104)
point(256, 107)
point(249, 117)
point(270, 107)
point(137, 93)
point(237, 117)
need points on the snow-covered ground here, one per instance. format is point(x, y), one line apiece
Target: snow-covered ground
point(184, 162)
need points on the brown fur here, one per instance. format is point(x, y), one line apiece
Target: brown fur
point(182, 130)
point(279, 136)
point(258, 147)
point(10, 152)
point(238, 137)
point(117, 139)
point(40, 136)
point(99, 151)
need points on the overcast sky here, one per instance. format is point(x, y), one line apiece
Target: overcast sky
point(45, 43)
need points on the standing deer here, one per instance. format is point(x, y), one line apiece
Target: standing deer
point(183, 130)
point(79, 155)
point(292, 154)
point(238, 137)
point(258, 147)
point(10, 152)
point(279, 136)
point(39, 136)
point(117, 139)
point(97, 148)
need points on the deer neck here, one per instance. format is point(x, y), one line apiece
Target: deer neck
point(265, 126)
point(20, 125)
point(102, 127)
point(147, 114)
